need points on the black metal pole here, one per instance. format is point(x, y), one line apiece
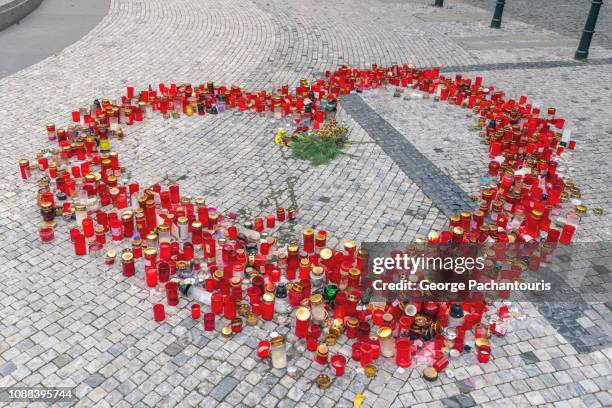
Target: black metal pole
point(589, 29)
point(497, 15)
point(439, 3)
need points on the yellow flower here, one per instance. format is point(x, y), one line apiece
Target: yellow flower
point(358, 400)
point(280, 136)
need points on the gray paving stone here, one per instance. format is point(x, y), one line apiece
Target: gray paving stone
point(222, 389)
point(95, 380)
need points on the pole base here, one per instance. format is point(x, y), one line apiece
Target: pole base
point(581, 55)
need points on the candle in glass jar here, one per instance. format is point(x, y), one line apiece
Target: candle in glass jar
point(351, 327)
point(80, 212)
point(317, 307)
point(46, 233)
point(151, 277)
point(24, 167)
point(267, 307)
point(322, 354)
point(387, 348)
point(150, 255)
point(278, 352)
point(309, 242)
point(127, 261)
point(317, 273)
point(183, 228)
point(302, 321)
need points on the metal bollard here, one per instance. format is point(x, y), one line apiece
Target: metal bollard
point(497, 15)
point(589, 29)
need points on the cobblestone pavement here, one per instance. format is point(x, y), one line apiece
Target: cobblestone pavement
point(72, 322)
point(566, 17)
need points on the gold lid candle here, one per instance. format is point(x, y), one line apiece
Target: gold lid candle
point(387, 348)
point(127, 261)
point(302, 322)
point(278, 352)
point(317, 307)
point(309, 242)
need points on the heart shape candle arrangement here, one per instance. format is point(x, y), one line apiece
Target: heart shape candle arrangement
point(242, 273)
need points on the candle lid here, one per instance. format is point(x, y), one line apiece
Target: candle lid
point(226, 332)
point(277, 341)
point(326, 254)
point(456, 311)
point(281, 291)
point(127, 257)
point(350, 244)
point(322, 349)
point(316, 299)
point(370, 371)
point(410, 310)
point(384, 332)
point(251, 319)
point(150, 251)
point(330, 339)
point(317, 271)
point(323, 381)
point(430, 374)
point(482, 341)
point(302, 313)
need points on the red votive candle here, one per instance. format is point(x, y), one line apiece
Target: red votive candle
point(158, 312)
point(127, 264)
point(263, 349)
point(377, 316)
point(441, 364)
point(216, 303)
point(309, 242)
point(151, 277)
point(195, 311)
point(229, 307)
point(375, 346)
point(46, 233)
point(366, 354)
point(403, 355)
point(566, 234)
point(302, 321)
point(209, 321)
point(164, 272)
point(172, 293)
point(270, 221)
point(232, 231)
point(356, 351)
point(351, 327)
point(322, 354)
point(338, 362)
point(311, 343)
point(267, 307)
point(258, 224)
point(483, 354)
point(315, 331)
point(79, 244)
point(254, 294)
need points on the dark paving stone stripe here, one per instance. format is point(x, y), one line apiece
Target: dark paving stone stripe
point(525, 65)
point(446, 195)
